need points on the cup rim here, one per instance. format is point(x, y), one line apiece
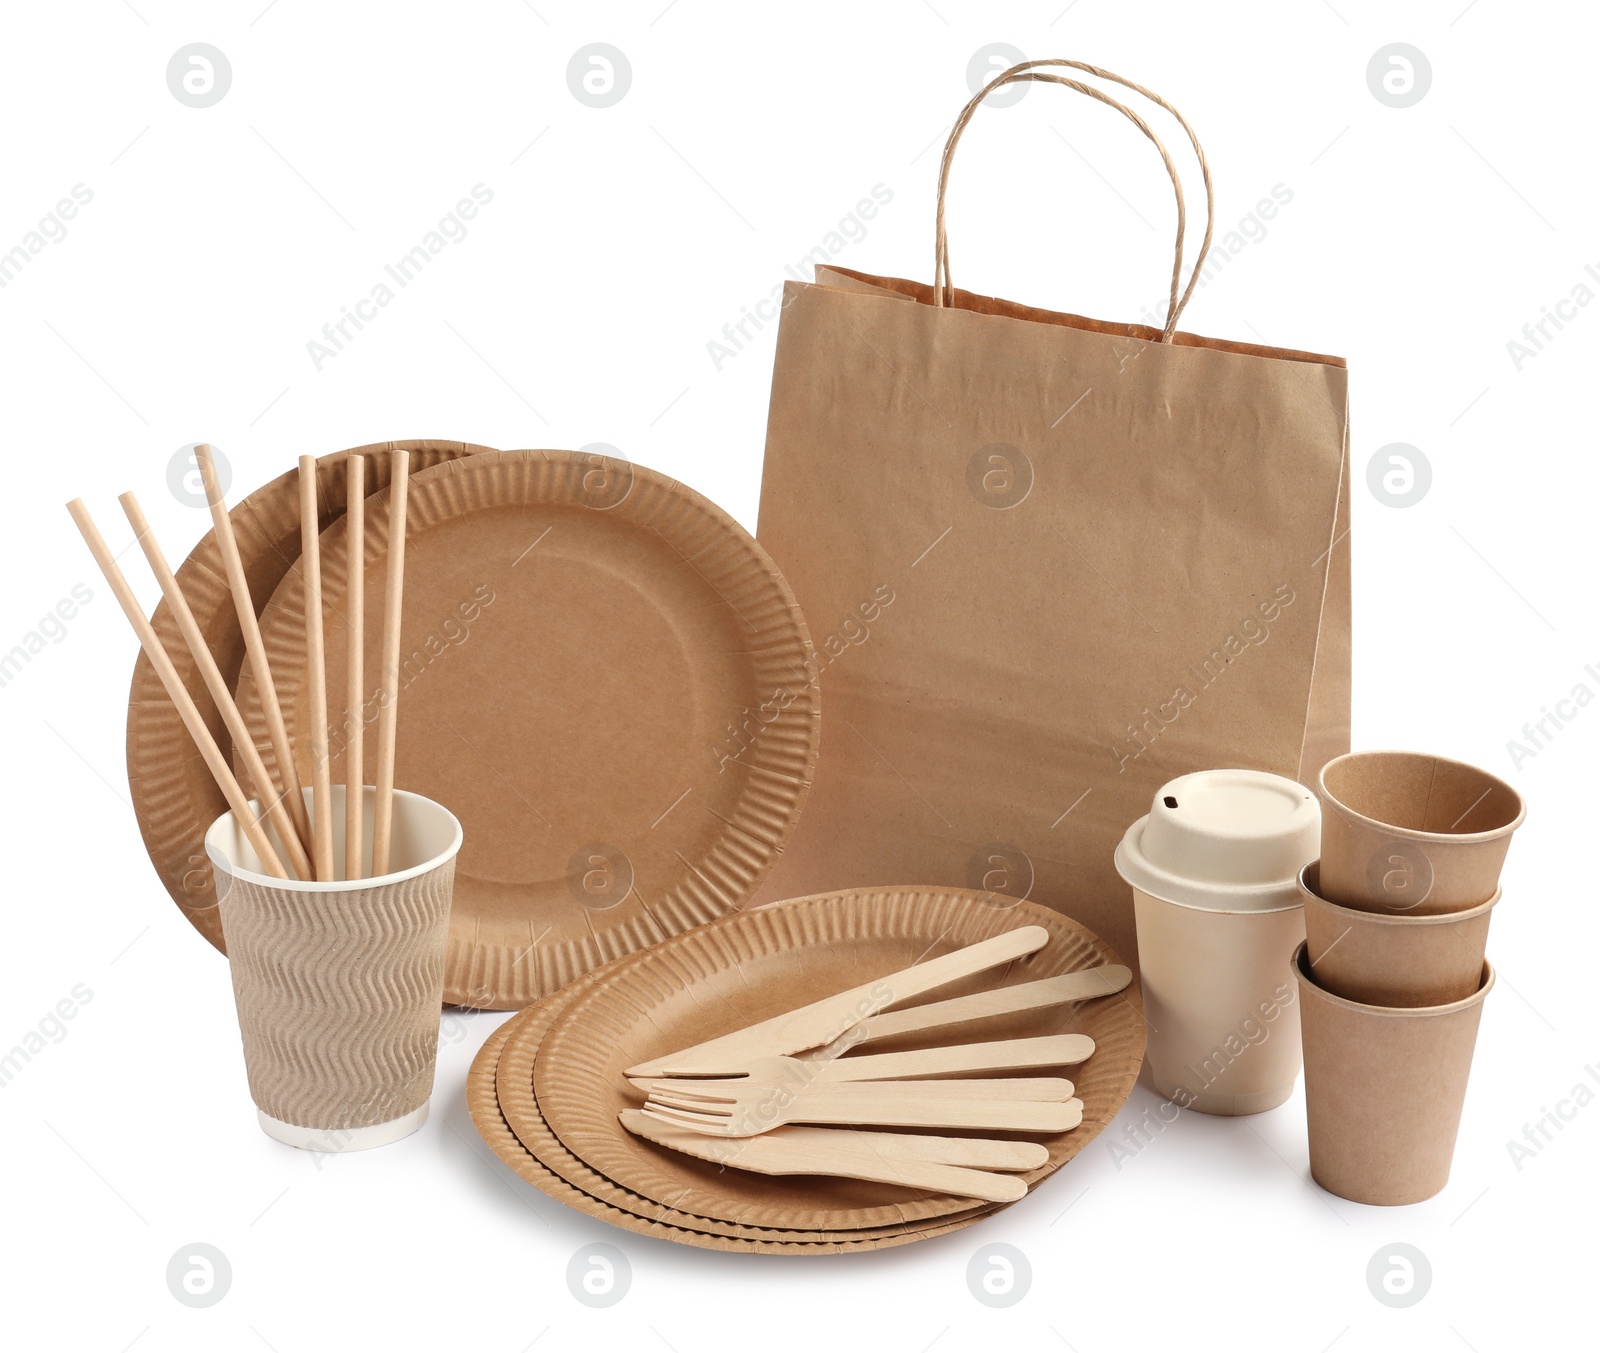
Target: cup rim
point(1390, 917)
point(1337, 805)
point(1297, 965)
point(219, 860)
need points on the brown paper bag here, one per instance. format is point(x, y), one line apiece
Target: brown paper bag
point(1049, 563)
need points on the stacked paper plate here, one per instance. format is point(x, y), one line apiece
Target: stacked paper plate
point(547, 1087)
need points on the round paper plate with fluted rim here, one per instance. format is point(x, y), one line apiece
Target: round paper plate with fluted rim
point(174, 796)
point(603, 676)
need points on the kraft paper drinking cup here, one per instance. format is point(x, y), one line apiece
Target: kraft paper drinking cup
point(1395, 959)
point(1408, 832)
point(1384, 1089)
point(1214, 869)
point(338, 984)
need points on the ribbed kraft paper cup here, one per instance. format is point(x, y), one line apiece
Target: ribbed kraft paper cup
point(1384, 1090)
point(1386, 959)
point(338, 984)
point(1405, 832)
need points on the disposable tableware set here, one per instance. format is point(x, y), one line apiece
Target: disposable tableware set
point(781, 999)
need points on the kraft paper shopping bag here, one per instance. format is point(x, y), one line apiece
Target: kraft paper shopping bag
point(1049, 563)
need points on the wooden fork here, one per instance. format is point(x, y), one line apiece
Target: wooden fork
point(1039, 1089)
point(1007, 1054)
point(750, 1113)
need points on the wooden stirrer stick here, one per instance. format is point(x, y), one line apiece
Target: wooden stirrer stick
point(255, 650)
point(355, 694)
point(217, 685)
point(316, 673)
point(388, 713)
point(179, 694)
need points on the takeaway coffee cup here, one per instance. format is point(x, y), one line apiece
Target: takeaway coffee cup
point(338, 984)
point(1215, 869)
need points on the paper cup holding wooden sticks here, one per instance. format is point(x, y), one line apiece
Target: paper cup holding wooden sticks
point(338, 983)
point(1393, 959)
point(1408, 832)
point(1384, 1089)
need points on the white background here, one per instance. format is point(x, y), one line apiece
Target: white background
point(577, 309)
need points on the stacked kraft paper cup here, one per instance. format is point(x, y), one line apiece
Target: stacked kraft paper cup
point(1392, 975)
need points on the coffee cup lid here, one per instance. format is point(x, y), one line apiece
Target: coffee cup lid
point(1224, 840)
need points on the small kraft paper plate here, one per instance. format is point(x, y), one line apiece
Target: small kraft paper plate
point(603, 676)
point(519, 1110)
point(661, 1223)
point(174, 796)
point(747, 967)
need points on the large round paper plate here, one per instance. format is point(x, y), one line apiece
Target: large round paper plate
point(603, 676)
point(748, 967)
point(173, 793)
point(519, 1109)
point(496, 1132)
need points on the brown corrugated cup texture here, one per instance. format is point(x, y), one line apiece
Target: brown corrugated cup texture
point(338, 996)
